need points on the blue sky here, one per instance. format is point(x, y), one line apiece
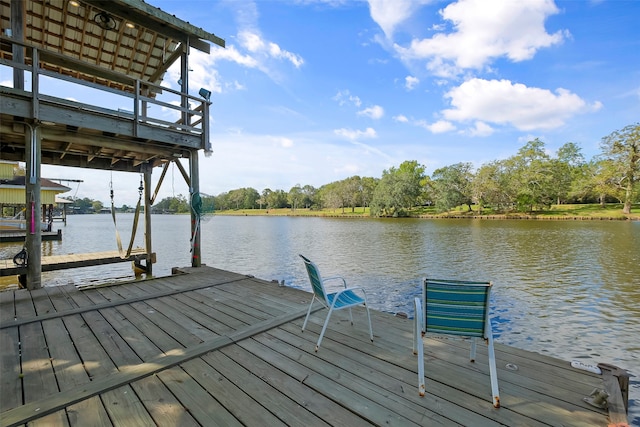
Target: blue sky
point(314, 91)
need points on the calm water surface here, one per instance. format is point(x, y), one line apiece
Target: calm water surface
point(569, 289)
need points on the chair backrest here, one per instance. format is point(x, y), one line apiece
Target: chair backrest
point(315, 279)
point(456, 307)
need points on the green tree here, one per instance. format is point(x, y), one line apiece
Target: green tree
point(331, 196)
point(221, 201)
point(352, 192)
point(276, 199)
point(295, 197)
point(566, 169)
point(399, 189)
point(486, 186)
point(368, 187)
point(179, 204)
point(264, 197)
point(533, 177)
point(622, 149)
point(83, 205)
point(310, 193)
point(453, 186)
point(97, 205)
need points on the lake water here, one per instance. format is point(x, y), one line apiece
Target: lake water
point(569, 289)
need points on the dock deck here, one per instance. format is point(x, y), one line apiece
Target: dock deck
point(20, 236)
point(212, 347)
point(60, 262)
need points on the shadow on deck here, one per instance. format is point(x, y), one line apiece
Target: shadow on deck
point(212, 347)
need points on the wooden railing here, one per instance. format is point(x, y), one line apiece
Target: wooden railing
point(135, 98)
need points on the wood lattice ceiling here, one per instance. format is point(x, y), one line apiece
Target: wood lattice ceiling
point(126, 36)
point(107, 42)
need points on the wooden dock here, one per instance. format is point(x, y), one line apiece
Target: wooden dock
point(211, 347)
point(61, 262)
point(20, 236)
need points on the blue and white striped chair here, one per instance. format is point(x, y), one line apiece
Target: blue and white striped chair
point(455, 307)
point(345, 298)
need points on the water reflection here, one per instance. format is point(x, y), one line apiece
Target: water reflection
point(563, 288)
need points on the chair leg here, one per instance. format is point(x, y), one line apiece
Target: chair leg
point(324, 328)
point(418, 345)
point(493, 373)
point(304, 325)
point(369, 318)
point(472, 353)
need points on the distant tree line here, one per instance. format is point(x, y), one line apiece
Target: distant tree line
point(528, 181)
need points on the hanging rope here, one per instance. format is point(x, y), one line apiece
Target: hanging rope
point(127, 254)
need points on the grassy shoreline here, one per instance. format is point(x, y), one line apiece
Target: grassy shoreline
point(611, 212)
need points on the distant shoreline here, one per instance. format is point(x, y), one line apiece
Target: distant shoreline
point(557, 213)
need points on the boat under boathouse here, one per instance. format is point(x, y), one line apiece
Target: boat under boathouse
point(117, 52)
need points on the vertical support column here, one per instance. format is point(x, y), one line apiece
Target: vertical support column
point(17, 33)
point(147, 218)
point(184, 78)
point(194, 190)
point(33, 241)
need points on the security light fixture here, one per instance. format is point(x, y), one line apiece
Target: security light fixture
point(206, 94)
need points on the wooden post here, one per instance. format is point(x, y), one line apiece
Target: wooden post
point(147, 219)
point(616, 384)
point(195, 218)
point(184, 77)
point(17, 33)
point(33, 240)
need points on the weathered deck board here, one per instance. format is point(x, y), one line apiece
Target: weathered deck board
point(213, 347)
point(61, 262)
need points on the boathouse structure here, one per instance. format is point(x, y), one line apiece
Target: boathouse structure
point(13, 201)
point(88, 92)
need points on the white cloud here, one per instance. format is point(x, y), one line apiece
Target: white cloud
point(389, 13)
point(254, 43)
point(441, 126)
point(410, 82)
point(203, 72)
point(376, 112)
point(505, 103)
point(251, 41)
point(401, 118)
point(484, 31)
point(354, 135)
point(344, 96)
point(277, 52)
point(480, 129)
point(230, 53)
point(284, 142)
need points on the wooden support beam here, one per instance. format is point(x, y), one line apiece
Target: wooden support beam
point(183, 172)
point(147, 217)
point(162, 175)
point(33, 241)
point(194, 191)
